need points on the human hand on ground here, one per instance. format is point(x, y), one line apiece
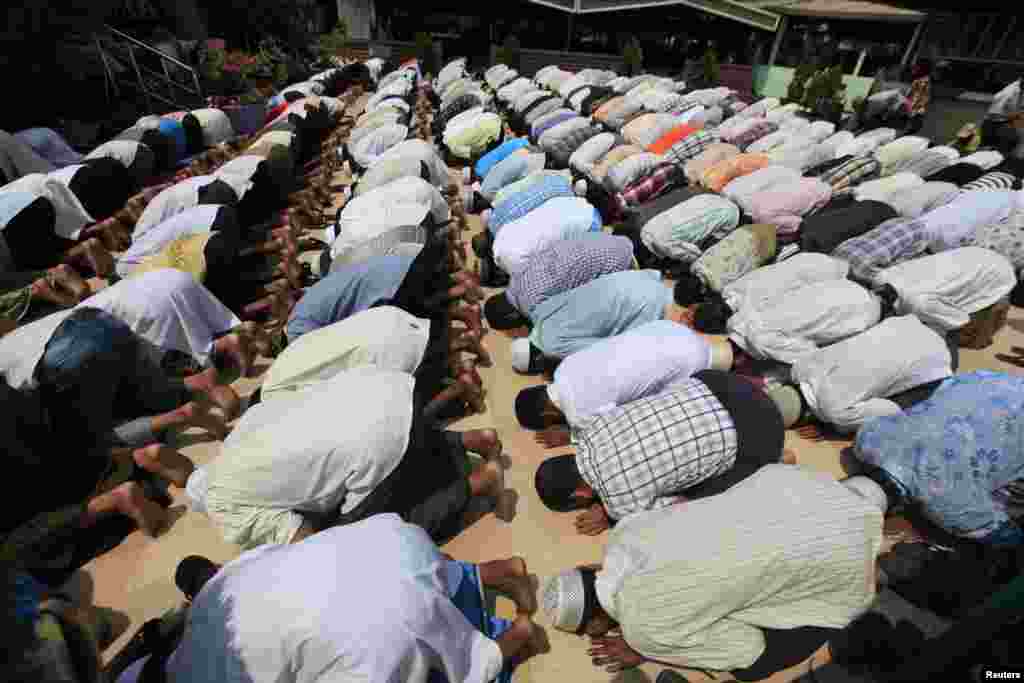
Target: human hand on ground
point(614, 654)
point(593, 521)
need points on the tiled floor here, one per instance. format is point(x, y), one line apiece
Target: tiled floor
point(136, 578)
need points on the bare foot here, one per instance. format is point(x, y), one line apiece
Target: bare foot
point(484, 442)
point(165, 462)
point(197, 414)
point(237, 350)
point(67, 278)
point(553, 437)
point(132, 502)
point(516, 638)
point(224, 397)
point(93, 255)
point(488, 480)
point(514, 582)
point(788, 457)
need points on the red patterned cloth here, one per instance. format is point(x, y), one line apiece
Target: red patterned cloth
point(663, 177)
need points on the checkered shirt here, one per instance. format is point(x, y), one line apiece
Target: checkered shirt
point(566, 265)
point(636, 457)
point(691, 146)
point(522, 203)
point(751, 135)
point(892, 242)
point(663, 177)
point(853, 172)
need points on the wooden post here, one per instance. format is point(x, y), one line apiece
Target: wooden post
point(779, 33)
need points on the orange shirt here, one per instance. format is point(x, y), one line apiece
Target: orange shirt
point(666, 141)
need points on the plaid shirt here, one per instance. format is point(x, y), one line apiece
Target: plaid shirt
point(690, 147)
point(636, 457)
point(664, 177)
point(760, 129)
point(566, 265)
point(853, 172)
point(892, 242)
point(522, 203)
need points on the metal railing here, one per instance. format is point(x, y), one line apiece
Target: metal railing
point(176, 84)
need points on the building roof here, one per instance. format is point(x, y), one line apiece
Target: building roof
point(840, 9)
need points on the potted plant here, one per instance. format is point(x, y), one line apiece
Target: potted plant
point(425, 52)
point(331, 45)
point(633, 58)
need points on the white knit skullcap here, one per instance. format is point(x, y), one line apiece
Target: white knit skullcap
point(521, 355)
point(580, 188)
point(869, 490)
point(564, 600)
point(787, 399)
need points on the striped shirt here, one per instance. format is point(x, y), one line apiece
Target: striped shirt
point(853, 172)
point(662, 178)
point(996, 180)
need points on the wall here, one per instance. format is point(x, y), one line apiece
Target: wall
point(358, 15)
point(533, 61)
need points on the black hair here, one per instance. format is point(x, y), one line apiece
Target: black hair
point(530, 407)
point(711, 316)
point(556, 480)
point(689, 288)
point(590, 601)
point(888, 296)
point(539, 363)
point(192, 574)
point(501, 314)
point(292, 96)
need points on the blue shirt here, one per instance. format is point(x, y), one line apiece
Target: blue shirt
point(954, 453)
point(489, 160)
point(602, 308)
point(522, 203)
point(176, 132)
point(347, 292)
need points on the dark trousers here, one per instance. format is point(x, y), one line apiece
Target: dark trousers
point(428, 488)
point(31, 239)
point(99, 384)
point(785, 648)
point(103, 186)
point(759, 429)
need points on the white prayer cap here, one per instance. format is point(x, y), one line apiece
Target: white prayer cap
point(580, 187)
point(787, 399)
point(521, 355)
point(196, 487)
point(467, 174)
point(869, 490)
point(565, 600)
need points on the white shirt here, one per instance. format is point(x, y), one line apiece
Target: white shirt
point(744, 190)
point(848, 383)
point(618, 370)
point(169, 311)
point(425, 152)
point(891, 186)
point(367, 150)
point(404, 201)
point(943, 290)
point(122, 150)
point(384, 337)
point(71, 215)
point(769, 282)
point(955, 224)
point(172, 201)
point(556, 219)
point(315, 612)
point(1007, 101)
point(794, 324)
point(693, 585)
point(22, 349)
point(316, 451)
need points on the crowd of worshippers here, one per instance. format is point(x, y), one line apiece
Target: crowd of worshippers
point(821, 280)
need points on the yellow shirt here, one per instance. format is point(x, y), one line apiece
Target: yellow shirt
point(185, 254)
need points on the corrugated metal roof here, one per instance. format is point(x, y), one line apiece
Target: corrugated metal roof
point(730, 9)
point(840, 9)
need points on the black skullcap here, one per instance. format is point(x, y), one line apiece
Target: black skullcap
point(501, 314)
point(192, 574)
point(556, 480)
point(689, 288)
point(711, 316)
point(530, 407)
